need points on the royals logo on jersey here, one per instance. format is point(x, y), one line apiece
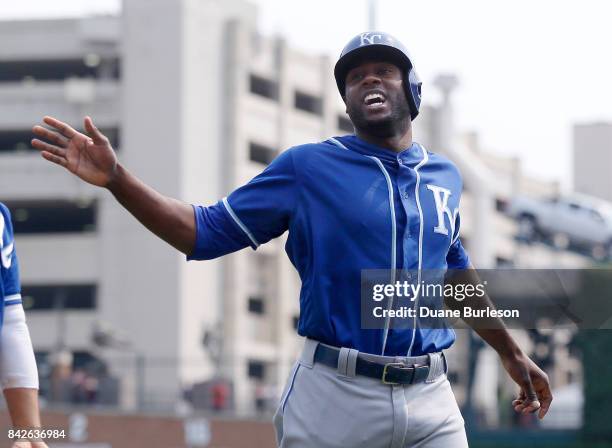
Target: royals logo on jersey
point(10, 293)
point(440, 194)
point(444, 213)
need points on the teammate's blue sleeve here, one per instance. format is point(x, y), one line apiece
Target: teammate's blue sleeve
point(252, 215)
point(9, 266)
point(457, 257)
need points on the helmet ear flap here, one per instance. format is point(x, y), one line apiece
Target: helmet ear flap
point(413, 92)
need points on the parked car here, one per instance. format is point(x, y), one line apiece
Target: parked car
point(576, 221)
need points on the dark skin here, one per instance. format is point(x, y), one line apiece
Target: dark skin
point(90, 157)
point(387, 125)
point(534, 393)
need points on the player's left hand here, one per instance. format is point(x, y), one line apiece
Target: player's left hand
point(535, 391)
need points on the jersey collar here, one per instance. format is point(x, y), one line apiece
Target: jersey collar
point(409, 156)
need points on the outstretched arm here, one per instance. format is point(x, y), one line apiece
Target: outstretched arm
point(535, 391)
point(90, 157)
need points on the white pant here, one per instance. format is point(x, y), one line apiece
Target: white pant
point(321, 408)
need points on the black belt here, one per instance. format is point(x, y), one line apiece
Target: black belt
point(389, 373)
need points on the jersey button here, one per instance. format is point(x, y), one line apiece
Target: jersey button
point(400, 161)
point(406, 195)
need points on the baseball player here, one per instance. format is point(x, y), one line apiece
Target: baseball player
point(18, 372)
point(372, 200)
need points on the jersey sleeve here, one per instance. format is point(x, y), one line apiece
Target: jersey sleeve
point(251, 215)
point(17, 361)
point(9, 266)
point(457, 257)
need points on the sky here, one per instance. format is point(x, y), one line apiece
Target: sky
point(528, 69)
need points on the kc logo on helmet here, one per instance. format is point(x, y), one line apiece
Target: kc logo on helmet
point(369, 38)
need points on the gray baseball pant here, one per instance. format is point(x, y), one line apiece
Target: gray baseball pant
point(322, 407)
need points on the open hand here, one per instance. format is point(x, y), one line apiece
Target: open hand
point(535, 391)
point(90, 156)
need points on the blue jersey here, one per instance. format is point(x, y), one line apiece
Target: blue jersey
point(10, 290)
point(348, 206)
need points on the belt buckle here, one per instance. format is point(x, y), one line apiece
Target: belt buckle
point(400, 366)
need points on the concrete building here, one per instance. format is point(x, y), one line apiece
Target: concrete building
point(593, 159)
point(195, 111)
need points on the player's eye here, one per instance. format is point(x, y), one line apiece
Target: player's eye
point(355, 77)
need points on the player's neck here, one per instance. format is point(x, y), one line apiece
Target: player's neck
point(397, 143)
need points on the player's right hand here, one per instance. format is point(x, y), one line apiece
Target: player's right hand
point(535, 394)
point(90, 156)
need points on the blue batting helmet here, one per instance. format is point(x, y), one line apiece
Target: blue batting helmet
point(379, 45)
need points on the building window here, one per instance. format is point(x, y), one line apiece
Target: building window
point(19, 139)
point(78, 360)
point(261, 153)
point(501, 205)
point(263, 87)
point(16, 141)
point(89, 66)
point(501, 262)
point(308, 103)
point(257, 305)
point(256, 369)
point(344, 124)
point(59, 297)
point(59, 216)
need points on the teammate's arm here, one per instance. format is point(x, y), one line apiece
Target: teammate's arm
point(91, 157)
point(534, 386)
point(18, 372)
point(22, 404)
point(19, 376)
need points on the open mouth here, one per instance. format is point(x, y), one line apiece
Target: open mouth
point(374, 100)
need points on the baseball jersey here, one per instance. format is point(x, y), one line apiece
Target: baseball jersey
point(10, 292)
point(348, 206)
